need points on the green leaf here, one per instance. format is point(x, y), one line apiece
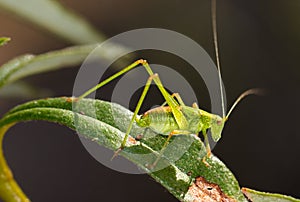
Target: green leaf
point(30, 64)
point(106, 122)
point(50, 15)
point(257, 196)
point(4, 40)
point(27, 65)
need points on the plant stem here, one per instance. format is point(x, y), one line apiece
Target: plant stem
point(9, 189)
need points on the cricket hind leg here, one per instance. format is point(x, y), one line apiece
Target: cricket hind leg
point(172, 103)
point(145, 64)
point(180, 119)
point(178, 97)
point(134, 117)
point(114, 76)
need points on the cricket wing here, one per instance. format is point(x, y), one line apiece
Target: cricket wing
point(179, 117)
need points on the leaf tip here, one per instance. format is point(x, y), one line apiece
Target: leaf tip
point(4, 40)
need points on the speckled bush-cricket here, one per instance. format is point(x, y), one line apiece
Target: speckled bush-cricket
point(174, 117)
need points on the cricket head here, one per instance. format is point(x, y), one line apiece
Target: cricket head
point(217, 125)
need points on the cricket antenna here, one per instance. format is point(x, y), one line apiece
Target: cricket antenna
point(253, 91)
point(215, 38)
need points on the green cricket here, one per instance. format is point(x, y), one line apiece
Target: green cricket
point(174, 117)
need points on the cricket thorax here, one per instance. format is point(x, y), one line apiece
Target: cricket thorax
point(160, 120)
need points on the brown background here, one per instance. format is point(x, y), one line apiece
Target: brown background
point(259, 47)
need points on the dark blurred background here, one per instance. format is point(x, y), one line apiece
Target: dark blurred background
point(259, 47)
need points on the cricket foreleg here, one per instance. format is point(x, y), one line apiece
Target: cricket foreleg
point(208, 150)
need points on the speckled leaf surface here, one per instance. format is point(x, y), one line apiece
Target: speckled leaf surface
point(106, 122)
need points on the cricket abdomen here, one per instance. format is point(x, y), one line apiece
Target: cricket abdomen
point(160, 120)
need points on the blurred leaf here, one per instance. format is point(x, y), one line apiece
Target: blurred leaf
point(27, 65)
point(50, 15)
point(256, 196)
point(30, 64)
point(4, 40)
point(106, 127)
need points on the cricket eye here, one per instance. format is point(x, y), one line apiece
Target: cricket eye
point(219, 122)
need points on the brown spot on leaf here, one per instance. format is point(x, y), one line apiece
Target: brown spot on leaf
point(131, 140)
point(204, 191)
point(139, 137)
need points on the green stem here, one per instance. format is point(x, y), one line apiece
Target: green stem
point(9, 189)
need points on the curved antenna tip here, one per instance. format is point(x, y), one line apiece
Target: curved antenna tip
point(252, 91)
point(255, 91)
